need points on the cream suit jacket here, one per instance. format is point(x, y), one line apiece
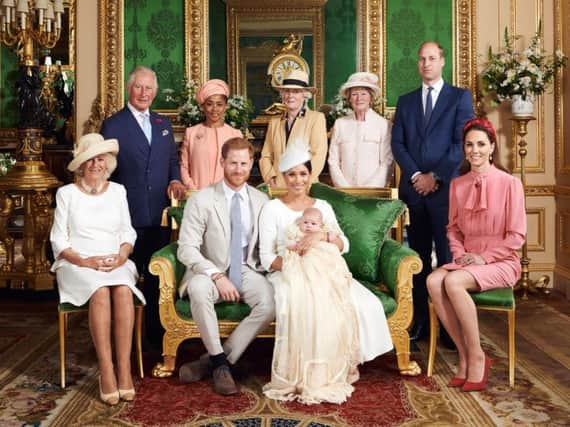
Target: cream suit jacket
point(311, 128)
point(205, 232)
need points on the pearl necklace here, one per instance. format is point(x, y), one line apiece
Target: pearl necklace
point(91, 190)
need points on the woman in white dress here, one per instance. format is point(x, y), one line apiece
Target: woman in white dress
point(305, 325)
point(92, 239)
point(360, 154)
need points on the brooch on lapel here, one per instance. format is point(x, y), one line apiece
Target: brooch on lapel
point(164, 132)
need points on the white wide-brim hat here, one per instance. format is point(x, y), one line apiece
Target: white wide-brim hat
point(297, 153)
point(89, 146)
point(361, 79)
point(296, 79)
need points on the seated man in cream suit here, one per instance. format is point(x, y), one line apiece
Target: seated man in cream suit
point(218, 243)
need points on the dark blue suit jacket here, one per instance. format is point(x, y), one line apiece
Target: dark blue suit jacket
point(145, 170)
point(436, 148)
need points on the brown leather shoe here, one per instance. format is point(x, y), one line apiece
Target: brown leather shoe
point(194, 371)
point(223, 381)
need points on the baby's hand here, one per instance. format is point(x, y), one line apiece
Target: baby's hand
point(332, 236)
point(293, 246)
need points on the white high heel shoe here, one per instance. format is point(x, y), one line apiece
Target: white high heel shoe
point(108, 398)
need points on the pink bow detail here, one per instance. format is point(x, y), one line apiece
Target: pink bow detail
point(477, 199)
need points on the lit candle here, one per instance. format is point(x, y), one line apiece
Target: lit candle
point(49, 17)
point(22, 9)
point(47, 63)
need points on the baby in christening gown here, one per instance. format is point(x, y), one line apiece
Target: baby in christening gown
point(317, 360)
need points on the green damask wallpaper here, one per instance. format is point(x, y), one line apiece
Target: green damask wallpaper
point(408, 23)
point(9, 112)
point(217, 36)
point(154, 37)
point(340, 45)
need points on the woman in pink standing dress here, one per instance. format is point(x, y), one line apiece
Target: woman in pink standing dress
point(202, 145)
point(487, 224)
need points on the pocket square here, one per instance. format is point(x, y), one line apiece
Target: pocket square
point(164, 132)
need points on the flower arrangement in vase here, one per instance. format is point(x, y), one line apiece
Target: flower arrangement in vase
point(6, 163)
point(190, 113)
point(520, 76)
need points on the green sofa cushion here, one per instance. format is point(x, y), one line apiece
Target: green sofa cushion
point(366, 222)
point(237, 311)
point(224, 310)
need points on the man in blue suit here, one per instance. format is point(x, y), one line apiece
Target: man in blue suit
point(426, 143)
point(147, 165)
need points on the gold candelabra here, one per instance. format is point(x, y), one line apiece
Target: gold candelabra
point(23, 23)
point(525, 284)
point(29, 184)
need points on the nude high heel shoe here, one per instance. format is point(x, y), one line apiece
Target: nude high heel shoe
point(108, 398)
point(127, 395)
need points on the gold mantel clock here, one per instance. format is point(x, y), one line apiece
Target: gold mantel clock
point(282, 64)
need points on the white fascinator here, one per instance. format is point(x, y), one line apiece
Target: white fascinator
point(297, 153)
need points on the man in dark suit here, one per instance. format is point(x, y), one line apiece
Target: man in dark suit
point(147, 165)
point(426, 143)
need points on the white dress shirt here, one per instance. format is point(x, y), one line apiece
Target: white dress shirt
point(139, 114)
point(434, 93)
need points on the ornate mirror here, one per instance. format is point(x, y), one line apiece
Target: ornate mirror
point(256, 31)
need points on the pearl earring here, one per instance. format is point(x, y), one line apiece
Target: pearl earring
point(490, 158)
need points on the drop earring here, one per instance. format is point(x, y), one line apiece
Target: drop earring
point(490, 158)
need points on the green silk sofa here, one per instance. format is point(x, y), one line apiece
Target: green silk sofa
point(381, 263)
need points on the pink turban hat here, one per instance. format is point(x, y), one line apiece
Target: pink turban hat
point(212, 87)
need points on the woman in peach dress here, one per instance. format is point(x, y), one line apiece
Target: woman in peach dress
point(487, 225)
point(202, 145)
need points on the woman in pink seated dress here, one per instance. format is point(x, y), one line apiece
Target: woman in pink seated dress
point(487, 224)
point(202, 145)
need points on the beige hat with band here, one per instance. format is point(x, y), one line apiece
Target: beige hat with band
point(89, 146)
point(361, 79)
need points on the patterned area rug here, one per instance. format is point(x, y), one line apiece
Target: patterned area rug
point(30, 392)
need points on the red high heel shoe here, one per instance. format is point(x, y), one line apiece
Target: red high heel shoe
point(456, 382)
point(472, 386)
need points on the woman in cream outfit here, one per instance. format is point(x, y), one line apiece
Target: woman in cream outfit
point(298, 123)
point(323, 329)
point(360, 153)
point(92, 239)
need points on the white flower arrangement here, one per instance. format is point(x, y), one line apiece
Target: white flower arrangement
point(527, 73)
point(190, 113)
point(6, 163)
